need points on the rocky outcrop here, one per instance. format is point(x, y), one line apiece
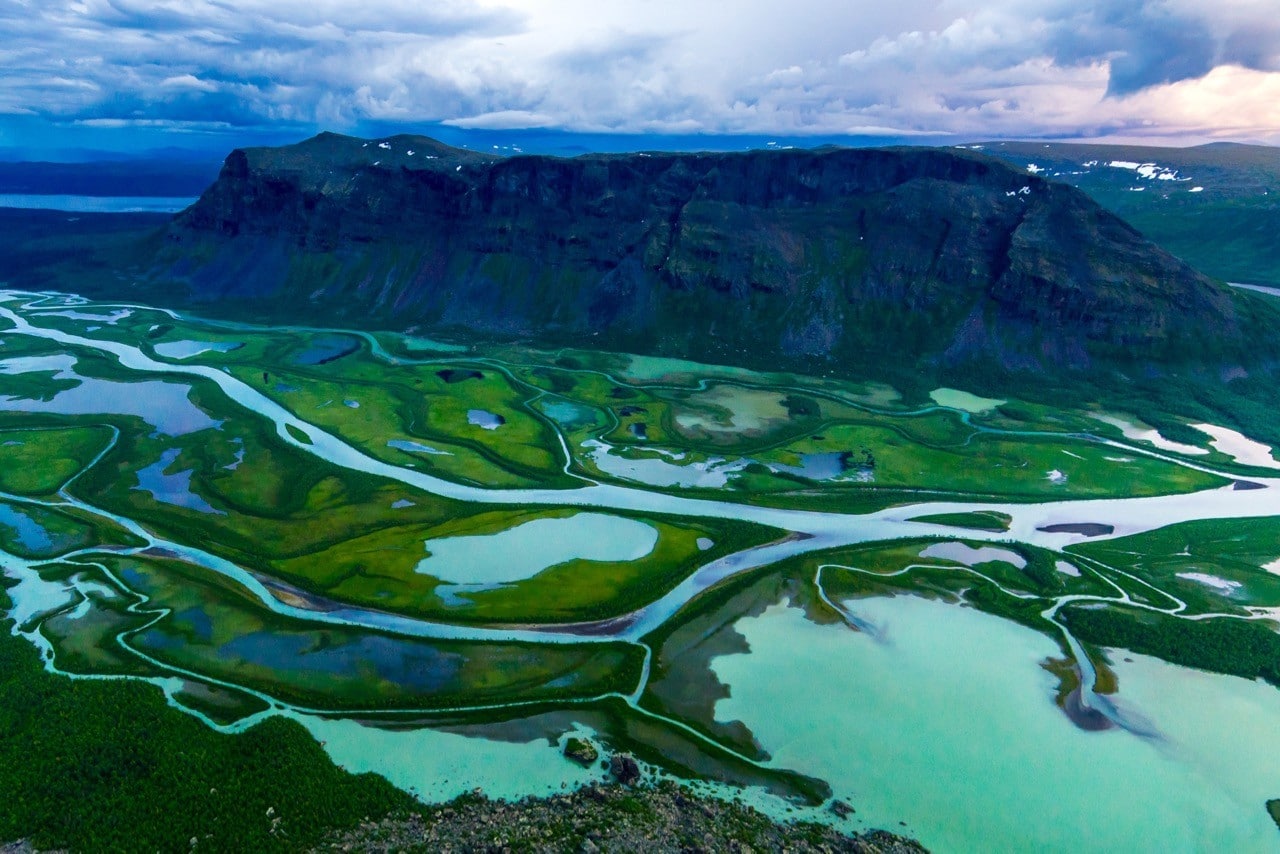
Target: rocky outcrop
point(834, 256)
point(665, 818)
point(624, 768)
point(581, 751)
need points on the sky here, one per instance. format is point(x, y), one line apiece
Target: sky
point(80, 75)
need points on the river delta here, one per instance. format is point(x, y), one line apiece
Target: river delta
point(446, 558)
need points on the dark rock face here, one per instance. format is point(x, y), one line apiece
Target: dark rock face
point(830, 254)
point(624, 769)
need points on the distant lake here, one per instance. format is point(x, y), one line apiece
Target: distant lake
point(96, 204)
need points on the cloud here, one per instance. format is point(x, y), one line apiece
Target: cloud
point(913, 68)
point(504, 120)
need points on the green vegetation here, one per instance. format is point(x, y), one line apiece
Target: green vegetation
point(38, 462)
point(1214, 565)
point(380, 569)
point(1225, 230)
point(95, 765)
point(1223, 645)
point(981, 520)
point(298, 434)
point(212, 626)
point(216, 481)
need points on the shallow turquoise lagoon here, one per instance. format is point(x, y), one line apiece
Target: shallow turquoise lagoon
point(945, 719)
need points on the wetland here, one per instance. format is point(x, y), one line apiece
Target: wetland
point(789, 590)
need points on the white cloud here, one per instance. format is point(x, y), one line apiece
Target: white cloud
point(505, 120)
point(913, 68)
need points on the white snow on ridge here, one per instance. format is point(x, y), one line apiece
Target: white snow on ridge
point(1034, 169)
point(385, 145)
point(1149, 171)
point(1197, 189)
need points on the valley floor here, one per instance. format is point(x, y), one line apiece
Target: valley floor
point(442, 561)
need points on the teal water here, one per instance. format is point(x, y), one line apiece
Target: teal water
point(187, 349)
point(166, 406)
point(30, 534)
point(879, 720)
point(439, 766)
point(568, 413)
point(95, 204)
point(172, 487)
point(953, 398)
point(525, 550)
point(484, 419)
point(946, 721)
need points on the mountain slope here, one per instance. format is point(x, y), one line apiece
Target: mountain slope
point(835, 256)
point(1216, 206)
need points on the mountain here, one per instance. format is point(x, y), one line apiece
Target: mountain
point(830, 258)
point(1215, 206)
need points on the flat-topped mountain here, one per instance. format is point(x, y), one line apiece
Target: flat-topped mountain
point(846, 257)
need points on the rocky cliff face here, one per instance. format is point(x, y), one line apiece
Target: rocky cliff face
point(838, 256)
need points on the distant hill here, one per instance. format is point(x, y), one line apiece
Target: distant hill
point(174, 178)
point(1216, 206)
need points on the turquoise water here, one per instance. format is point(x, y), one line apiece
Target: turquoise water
point(484, 419)
point(955, 399)
point(439, 766)
point(525, 550)
point(946, 721)
point(96, 204)
point(172, 488)
point(187, 349)
point(568, 413)
point(31, 535)
point(913, 728)
point(164, 405)
point(415, 447)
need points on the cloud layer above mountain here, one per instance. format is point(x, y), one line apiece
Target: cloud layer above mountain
point(1159, 69)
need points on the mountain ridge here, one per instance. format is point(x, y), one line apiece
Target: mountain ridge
point(834, 256)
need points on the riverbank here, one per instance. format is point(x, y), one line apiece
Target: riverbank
point(662, 818)
point(108, 764)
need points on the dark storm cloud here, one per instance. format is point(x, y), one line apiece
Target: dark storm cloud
point(1153, 42)
point(1255, 46)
